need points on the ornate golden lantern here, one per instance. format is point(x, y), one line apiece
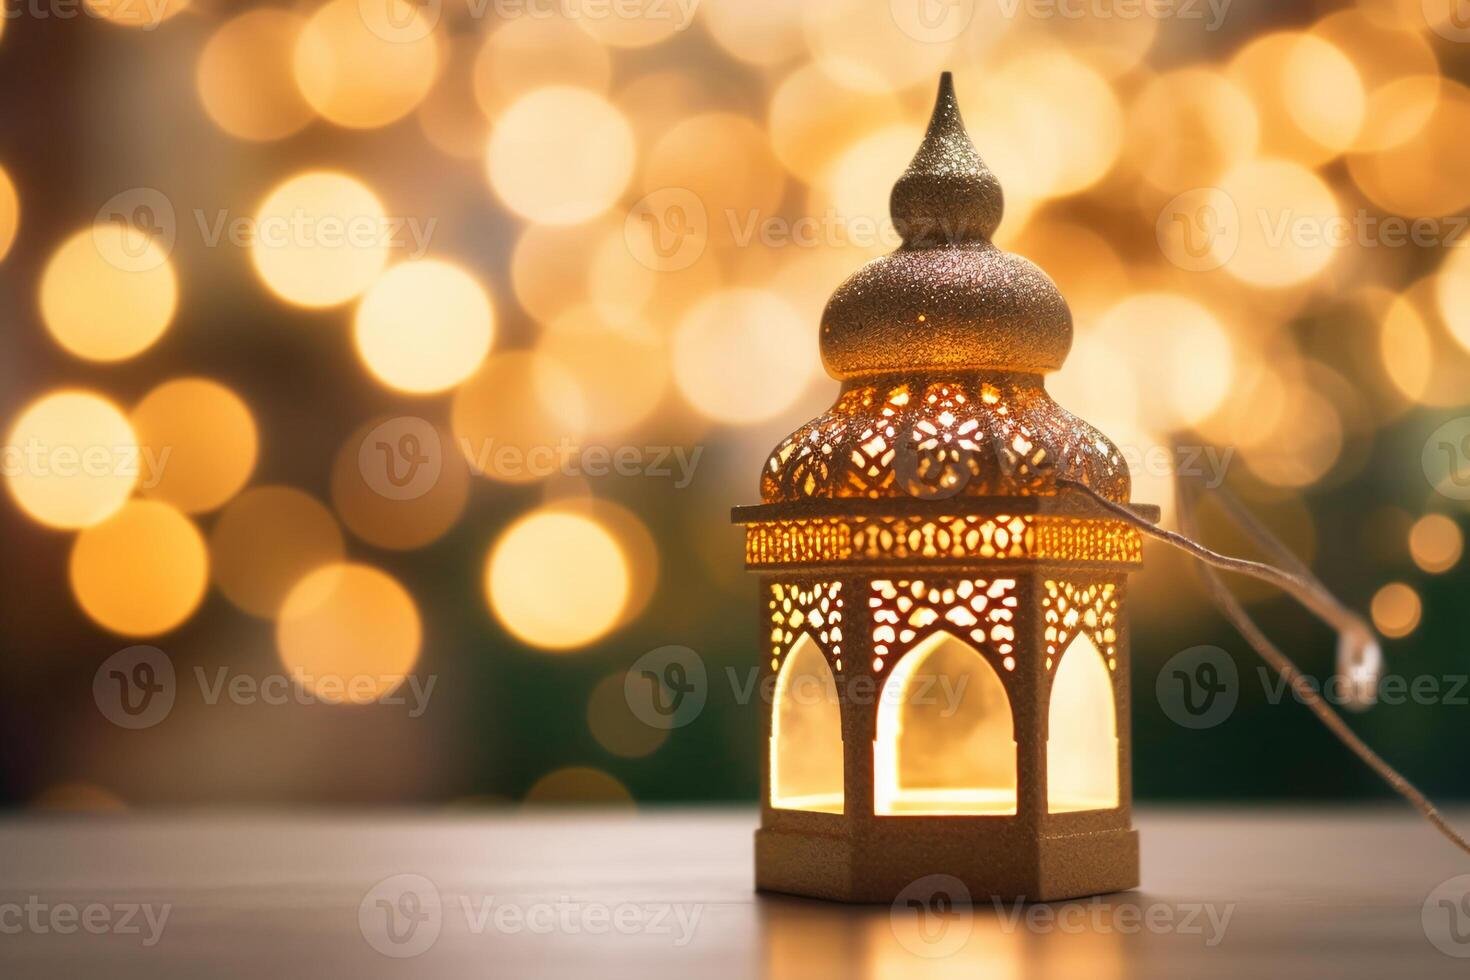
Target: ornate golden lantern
point(943, 619)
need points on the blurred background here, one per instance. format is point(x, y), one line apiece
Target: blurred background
point(380, 374)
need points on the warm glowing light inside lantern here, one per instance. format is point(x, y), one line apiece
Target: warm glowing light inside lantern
point(108, 292)
point(945, 739)
point(560, 155)
point(424, 326)
point(142, 571)
point(366, 64)
point(806, 733)
point(71, 459)
point(321, 238)
point(349, 633)
point(1082, 733)
point(245, 76)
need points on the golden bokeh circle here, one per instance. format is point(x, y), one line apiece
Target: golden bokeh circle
point(399, 483)
point(578, 785)
point(1187, 127)
point(527, 53)
point(321, 238)
point(265, 541)
point(615, 726)
point(560, 155)
point(349, 633)
point(245, 76)
point(743, 356)
point(1396, 610)
point(621, 367)
point(1436, 543)
point(1290, 224)
point(135, 13)
point(198, 443)
point(71, 459)
point(520, 418)
point(557, 580)
point(141, 572)
point(9, 213)
point(812, 120)
point(363, 65)
point(1308, 95)
point(424, 326)
point(108, 292)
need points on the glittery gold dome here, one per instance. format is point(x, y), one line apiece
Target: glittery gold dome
point(941, 348)
point(948, 298)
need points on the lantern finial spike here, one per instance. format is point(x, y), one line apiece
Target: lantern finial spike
point(947, 196)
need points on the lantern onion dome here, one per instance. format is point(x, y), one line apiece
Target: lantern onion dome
point(942, 347)
point(948, 298)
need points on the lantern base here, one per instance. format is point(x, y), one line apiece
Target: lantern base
point(877, 867)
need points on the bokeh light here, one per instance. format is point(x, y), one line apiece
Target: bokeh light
point(579, 785)
point(621, 366)
point(560, 155)
point(557, 580)
point(812, 119)
point(9, 213)
point(1187, 127)
point(131, 13)
point(424, 326)
point(366, 64)
point(108, 292)
point(348, 633)
point(615, 726)
point(765, 33)
point(71, 459)
point(399, 482)
point(520, 418)
point(1290, 225)
point(1181, 345)
point(141, 572)
point(265, 541)
point(527, 53)
point(1396, 610)
point(198, 443)
point(321, 238)
point(743, 355)
point(1307, 94)
point(1436, 543)
point(245, 76)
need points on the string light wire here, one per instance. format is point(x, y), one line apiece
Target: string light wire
point(1358, 651)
